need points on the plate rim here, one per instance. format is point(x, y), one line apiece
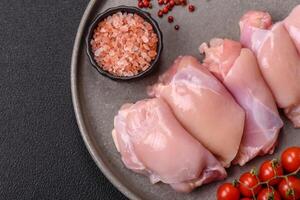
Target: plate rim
point(78, 112)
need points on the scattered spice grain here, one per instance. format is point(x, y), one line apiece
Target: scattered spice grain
point(166, 7)
point(170, 19)
point(191, 8)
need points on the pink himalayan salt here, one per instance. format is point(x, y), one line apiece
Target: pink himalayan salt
point(124, 44)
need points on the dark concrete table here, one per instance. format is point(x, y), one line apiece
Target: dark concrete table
point(42, 155)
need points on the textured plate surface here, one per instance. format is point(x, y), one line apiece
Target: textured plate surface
point(97, 99)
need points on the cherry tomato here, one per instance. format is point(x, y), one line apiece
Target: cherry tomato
point(268, 193)
point(228, 191)
point(290, 159)
point(268, 170)
point(246, 198)
point(249, 181)
point(290, 189)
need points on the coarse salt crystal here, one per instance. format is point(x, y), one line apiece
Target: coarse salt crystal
point(145, 39)
point(98, 51)
point(124, 28)
point(124, 44)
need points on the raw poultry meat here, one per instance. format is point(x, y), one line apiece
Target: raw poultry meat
point(254, 22)
point(292, 24)
point(152, 142)
point(278, 59)
point(203, 106)
point(238, 69)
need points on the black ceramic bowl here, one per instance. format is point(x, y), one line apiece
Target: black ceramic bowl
point(146, 16)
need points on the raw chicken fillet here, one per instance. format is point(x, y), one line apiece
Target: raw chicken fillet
point(278, 59)
point(203, 106)
point(292, 24)
point(237, 68)
point(152, 142)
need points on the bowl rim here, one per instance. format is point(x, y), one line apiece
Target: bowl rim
point(129, 9)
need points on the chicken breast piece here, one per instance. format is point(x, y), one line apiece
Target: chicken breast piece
point(292, 24)
point(203, 106)
point(253, 22)
point(152, 142)
point(238, 69)
point(279, 63)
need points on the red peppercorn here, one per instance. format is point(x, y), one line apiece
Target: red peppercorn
point(170, 19)
point(140, 4)
point(165, 9)
point(146, 3)
point(160, 13)
point(183, 2)
point(169, 6)
point(172, 3)
point(191, 8)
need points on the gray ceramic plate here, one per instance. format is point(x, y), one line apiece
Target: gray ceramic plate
point(97, 99)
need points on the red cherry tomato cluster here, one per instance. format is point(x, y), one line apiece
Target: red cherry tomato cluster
point(166, 7)
point(274, 181)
